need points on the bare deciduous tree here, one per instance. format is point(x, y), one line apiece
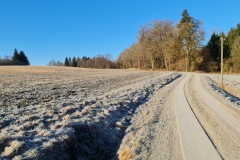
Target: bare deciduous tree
point(161, 44)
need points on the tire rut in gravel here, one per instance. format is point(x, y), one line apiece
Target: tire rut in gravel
point(225, 139)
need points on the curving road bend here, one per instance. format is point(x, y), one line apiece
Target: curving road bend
point(195, 143)
point(184, 120)
point(220, 120)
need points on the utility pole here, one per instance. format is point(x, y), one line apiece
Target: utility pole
point(186, 61)
point(222, 61)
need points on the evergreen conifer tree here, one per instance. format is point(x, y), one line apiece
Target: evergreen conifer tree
point(66, 63)
point(190, 37)
point(15, 57)
point(74, 62)
point(69, 61)
point(23, 58)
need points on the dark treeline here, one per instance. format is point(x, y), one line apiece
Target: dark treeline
point(99, 61)
point(163, 45)
point(231, 50)
point(17, 59)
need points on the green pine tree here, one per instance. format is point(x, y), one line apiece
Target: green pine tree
point(213, 47)
point(66, 63)
point(186, 17)
point(15, 56)
point(23, 58)
point(69, 61)
point(74, 62)
point(190, 37)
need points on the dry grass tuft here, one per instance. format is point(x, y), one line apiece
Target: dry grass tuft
point(32, 154)
point(229, 90)
point(66, 117)
point(18, 158)
point(45, 133)
point(13, 148)
point(125, 155)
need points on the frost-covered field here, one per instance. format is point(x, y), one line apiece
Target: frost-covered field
point(229, 91)
point(230, 81)
point(70, 113)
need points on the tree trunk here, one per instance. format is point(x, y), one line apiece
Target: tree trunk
point(139, 64)
point(165, 62)
point(187, 63)
point(152, 61)
point(169, 64)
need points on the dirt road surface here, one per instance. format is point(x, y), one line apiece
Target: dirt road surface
point(219, 118)
point(207, 125)
point(194, 141)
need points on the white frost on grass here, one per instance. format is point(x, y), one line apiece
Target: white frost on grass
point(14, 147)
point(231, 81)
point(96, 105)
point(229, 93)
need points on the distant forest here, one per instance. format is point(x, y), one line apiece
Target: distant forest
point(166, 46)
point(100, 61)
point(17, 59)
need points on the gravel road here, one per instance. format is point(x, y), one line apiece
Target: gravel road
point(189, 121)
point(219, 118)
point(194, 141)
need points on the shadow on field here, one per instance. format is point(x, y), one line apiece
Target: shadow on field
point(97, 140)
point(232, 98)
point(101, 140)
point(93, 140)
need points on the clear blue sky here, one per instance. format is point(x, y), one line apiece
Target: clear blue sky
point(54, 29)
